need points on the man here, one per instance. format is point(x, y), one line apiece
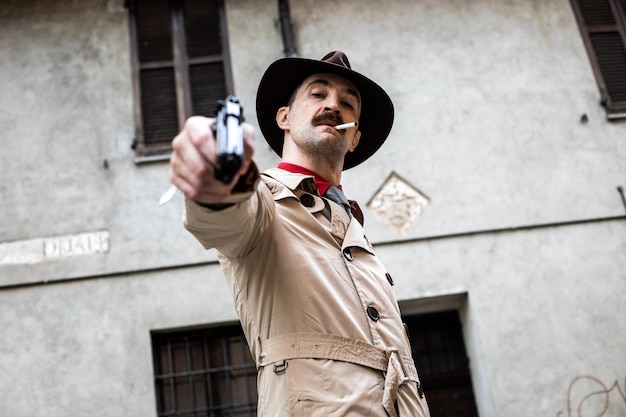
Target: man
point(315, 303)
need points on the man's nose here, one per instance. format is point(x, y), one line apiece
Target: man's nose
point(332, 104)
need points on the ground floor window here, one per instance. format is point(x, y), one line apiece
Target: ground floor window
point(204, 373)
point(210, 372)
point(441, 359)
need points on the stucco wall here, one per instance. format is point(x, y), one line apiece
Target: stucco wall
point(542, 315)
point(488, 96)
point(84, 348)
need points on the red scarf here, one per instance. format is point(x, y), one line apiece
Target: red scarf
point(322, 184)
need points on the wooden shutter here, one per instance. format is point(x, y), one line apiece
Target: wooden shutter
point(603, 27)
point(156, 75)
point(181, 67)
point(205, 49)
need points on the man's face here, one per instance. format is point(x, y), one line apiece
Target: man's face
point(321, 102)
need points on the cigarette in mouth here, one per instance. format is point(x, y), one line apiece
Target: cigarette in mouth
point(345, 126)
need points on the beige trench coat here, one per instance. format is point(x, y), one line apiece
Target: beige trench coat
point(315, 303)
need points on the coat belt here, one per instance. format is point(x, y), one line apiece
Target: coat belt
point(398, 369)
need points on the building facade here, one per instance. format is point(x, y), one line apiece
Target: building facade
point(497, 202)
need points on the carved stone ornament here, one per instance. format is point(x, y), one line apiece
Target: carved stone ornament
point(398, 204)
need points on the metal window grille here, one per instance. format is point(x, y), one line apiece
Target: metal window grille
point(204, 373)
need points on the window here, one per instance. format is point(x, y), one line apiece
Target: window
point(181, 67)
point(210, 372)
point(439, 353)
point(603, 27)
point(204, 373)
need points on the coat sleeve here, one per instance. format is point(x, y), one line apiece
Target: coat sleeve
point(236, 230)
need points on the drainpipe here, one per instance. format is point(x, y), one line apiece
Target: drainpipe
point(286, 28)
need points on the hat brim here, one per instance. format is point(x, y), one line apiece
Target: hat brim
point(282, 78)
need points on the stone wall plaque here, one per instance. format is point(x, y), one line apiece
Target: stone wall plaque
point(48, 248)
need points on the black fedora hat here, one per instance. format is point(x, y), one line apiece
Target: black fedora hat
point(282, 78)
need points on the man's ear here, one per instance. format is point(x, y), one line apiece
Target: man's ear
point(355, 140)
point(282, 118)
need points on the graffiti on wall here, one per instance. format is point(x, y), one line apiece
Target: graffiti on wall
point(588, 396)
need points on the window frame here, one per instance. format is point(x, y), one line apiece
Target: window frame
point(181, 64)
point(184, 386)
point(615, 109)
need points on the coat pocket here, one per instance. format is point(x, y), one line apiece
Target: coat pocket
point(305, 387)
point(329, 388)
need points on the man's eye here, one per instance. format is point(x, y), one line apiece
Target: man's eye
point(348, 105)
point(318, 95)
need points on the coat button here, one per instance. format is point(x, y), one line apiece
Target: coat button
point(373, 313)
point(388, 275)
point(307, 200)
point(347, 254)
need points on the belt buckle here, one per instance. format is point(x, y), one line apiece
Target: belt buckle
point(281, 368)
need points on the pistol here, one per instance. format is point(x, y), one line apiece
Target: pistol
point(228, 130)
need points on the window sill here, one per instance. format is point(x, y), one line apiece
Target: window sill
point(616, 116)
point(146, 159)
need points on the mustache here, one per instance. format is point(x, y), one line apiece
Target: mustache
point(327, 116)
